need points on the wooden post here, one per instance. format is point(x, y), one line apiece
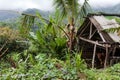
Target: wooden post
point(113, 54)
point(93, 59)
point(106, 57)
point(114, 49)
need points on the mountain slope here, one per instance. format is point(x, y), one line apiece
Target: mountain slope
point(34, 11)
point(8, 14)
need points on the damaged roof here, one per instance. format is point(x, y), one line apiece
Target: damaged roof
point(102, 23)
point(107, 24)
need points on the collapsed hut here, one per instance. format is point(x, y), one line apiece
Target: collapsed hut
point(100, 48)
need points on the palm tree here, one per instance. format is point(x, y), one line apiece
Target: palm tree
point(72, 10)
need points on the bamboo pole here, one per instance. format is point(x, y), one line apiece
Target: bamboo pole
point(93, 59)
point(113, 54)
point(91, 41)
point(106, 57)
point(90, 30)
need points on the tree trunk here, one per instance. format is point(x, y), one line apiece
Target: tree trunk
point(71, 33)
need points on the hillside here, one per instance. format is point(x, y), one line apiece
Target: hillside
point(33, 11)
point(8, 14)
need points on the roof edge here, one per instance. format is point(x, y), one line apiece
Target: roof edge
point(104, 14)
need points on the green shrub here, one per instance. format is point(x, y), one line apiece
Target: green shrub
point(111, 73)
point(12, 40)
point(45, 68)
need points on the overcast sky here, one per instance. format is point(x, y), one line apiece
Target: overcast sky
point(46, 4)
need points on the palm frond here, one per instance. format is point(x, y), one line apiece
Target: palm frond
point(85, 9)
point(27, 23)
point(112, 30)
point(73, 7)
point(61, 5)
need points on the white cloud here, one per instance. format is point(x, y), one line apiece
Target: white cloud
point(46, 4)
point(24, 4)
point(103, 3)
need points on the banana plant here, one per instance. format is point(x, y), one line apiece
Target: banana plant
point(73, 11)
point(49, 37)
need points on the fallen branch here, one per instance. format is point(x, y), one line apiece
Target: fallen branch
point(3, 46)
point(3, 53)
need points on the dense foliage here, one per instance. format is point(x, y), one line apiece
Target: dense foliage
point(43, 54)
point(11, 39)
point(45, 67)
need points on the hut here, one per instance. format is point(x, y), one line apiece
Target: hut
point(100, 48)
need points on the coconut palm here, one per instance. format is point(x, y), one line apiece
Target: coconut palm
point(72, 10)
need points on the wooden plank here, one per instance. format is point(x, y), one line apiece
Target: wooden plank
point(106, 57)
point(93, 34)
point(107, 37)
point(96, 24)
point(84, 28)
point(101, 36)
point(93, 59)
point(90, 30)
point(90, 41)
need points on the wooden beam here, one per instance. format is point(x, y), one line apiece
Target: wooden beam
point(90, 41)
point(84, 28)
point(93, 33)
point(90, 30)
point(95, 23)
point(101, 36)
point(104, 14)
point(93, 59)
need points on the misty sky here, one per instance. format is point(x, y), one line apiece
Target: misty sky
point(47, 4)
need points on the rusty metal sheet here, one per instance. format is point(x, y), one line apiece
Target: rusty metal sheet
point(107, 24)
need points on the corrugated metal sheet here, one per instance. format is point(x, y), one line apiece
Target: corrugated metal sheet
point(107, 24)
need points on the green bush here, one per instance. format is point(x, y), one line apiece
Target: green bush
point(111, 73)
point(45, 68)
point(12, 40)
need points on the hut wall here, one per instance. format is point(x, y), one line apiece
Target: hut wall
point(87, 49)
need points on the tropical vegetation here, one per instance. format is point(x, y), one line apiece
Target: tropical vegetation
point(45, 49)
